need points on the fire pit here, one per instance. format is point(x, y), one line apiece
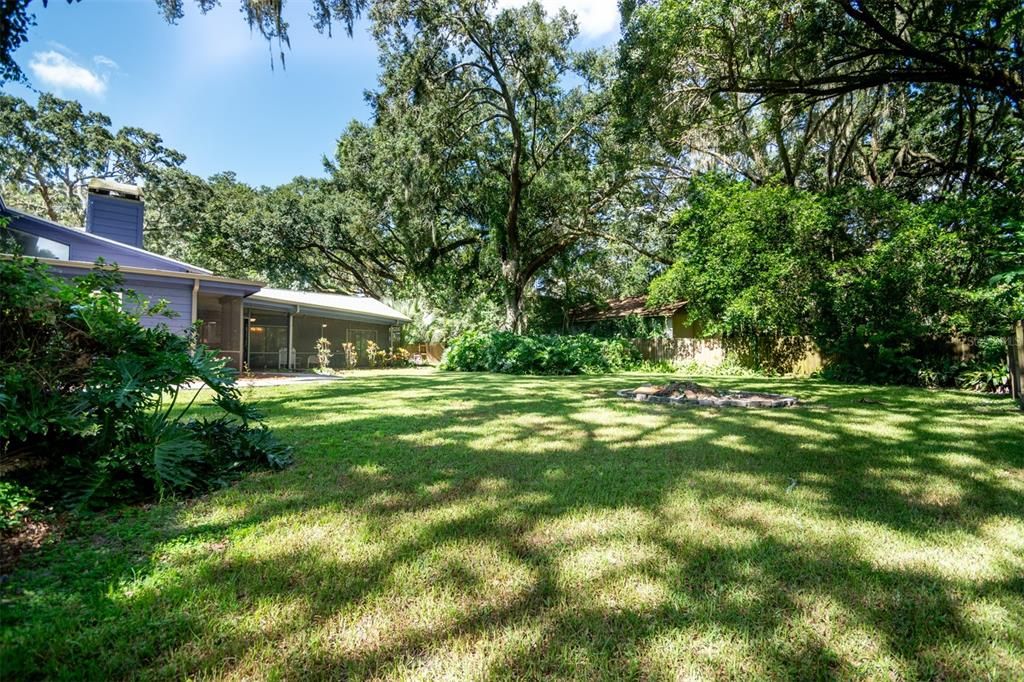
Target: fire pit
point(689, 393)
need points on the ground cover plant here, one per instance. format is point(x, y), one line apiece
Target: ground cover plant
point(89, 399)
point(508, 353)
point(463, 526)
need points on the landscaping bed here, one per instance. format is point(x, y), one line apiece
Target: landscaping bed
point(691, 393)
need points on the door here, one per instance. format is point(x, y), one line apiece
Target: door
point(358, 338)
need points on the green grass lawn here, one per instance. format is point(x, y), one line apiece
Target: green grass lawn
point(477, 526)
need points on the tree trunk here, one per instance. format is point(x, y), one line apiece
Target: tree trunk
point(44, 192)
point(515, 315)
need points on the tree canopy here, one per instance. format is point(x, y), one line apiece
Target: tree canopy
point(923, 97)
point(489, 150)
point(844, 170)
point(873, 278)
point(49, 152)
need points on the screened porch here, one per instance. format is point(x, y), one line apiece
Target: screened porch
point(281, 340)
point(222, 327)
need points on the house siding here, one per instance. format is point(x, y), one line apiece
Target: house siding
point(178, 295)
point(114, 235)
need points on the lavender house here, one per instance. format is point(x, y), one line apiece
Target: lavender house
point(272, 328)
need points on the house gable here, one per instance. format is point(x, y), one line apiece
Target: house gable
point(88, 248)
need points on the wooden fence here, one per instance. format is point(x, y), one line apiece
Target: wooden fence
point(707, 352)
point(428, 353)
point(781, 355)
point(1015, 355)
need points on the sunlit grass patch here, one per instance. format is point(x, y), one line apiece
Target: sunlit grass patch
point(446, 526)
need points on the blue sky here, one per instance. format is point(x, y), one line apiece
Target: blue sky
point(206, 86)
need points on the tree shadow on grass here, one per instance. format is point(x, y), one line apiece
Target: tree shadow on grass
point(490, 526)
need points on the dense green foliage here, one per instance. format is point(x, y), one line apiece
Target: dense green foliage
point(51, 150)
point(866, 167)
point(89, 399)
point(845, 170)
point(880, 283)
point(630, 327)
point(923, 98)
point(499, 128)
point(509, 353)
point(15, 505)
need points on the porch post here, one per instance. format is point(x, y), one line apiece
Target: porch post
point(241, 336)
point(290, 353)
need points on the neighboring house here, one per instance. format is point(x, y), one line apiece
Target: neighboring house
point(669, 320)
point(262, 328)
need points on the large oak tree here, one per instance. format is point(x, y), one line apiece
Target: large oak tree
point(509, 127)
point(50, 151)
point(922, 97)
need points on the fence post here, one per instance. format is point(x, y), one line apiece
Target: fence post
point(1015, 353)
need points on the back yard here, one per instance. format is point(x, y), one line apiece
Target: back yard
point(464, 525)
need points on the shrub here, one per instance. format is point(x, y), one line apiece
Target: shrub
point(380, 358)
point(349, 356)
point(15, 505)
point(89, 399)
point(399, 357)
point(988, 371)
point(323, 353)
point(542, 354)
point(986, 378)
point(375, 355)
point(939, 372)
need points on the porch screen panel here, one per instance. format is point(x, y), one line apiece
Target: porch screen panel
point(268, 339)
point(222, 326)
point(307, 329)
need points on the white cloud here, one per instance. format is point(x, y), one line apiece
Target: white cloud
point(105, 62)
point(596, 18)
point(61, 73)
point(61, 47)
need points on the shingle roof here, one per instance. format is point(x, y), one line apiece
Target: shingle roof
point(361, 305)
point(623, 307)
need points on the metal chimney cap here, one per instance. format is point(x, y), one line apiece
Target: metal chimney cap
point(124, 190)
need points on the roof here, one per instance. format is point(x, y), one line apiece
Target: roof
point(175, 265)
point(359, 305)
point(130, 270)
point(623, 307)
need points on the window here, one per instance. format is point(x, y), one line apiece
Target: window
point(40, 247)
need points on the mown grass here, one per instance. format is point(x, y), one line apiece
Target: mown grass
point(478, 526)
